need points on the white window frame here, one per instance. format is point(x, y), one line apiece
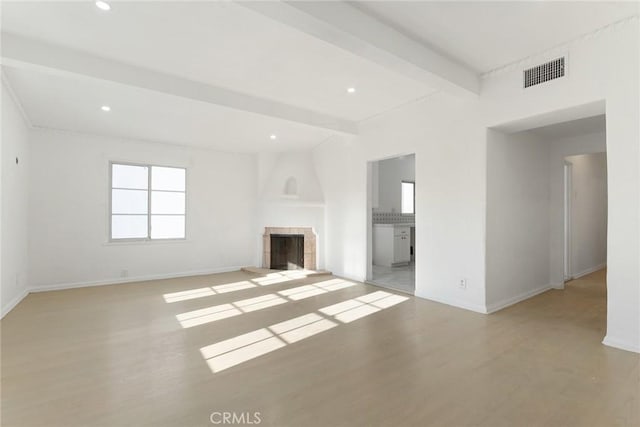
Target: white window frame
point(413, 184)
point(148, 214)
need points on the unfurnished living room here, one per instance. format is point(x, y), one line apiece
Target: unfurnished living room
point(320, 213)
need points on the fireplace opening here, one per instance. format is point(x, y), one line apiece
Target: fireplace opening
point(287, 251)
point(307, 243)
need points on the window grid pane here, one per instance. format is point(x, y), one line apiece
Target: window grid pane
point(129, 176)
point(163, 178)
point(167, 227)
point(129, 201)
point(163, 202)
point(408, 198)
point(129, 226)
point(139, 213)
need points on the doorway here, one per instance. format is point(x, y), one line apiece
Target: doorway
point(391, 225)
point(547, 207)
point(585, 214)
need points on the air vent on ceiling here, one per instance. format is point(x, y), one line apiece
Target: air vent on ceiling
point(544, 72)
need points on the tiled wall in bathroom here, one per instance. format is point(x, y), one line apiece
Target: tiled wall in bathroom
point(392, 218)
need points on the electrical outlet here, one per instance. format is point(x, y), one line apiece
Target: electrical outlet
point(124, 273)
point(462, 284)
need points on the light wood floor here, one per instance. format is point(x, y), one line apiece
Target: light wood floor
point(118, 355)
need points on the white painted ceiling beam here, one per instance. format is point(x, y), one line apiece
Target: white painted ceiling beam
point(18, 52)
point(348, 28)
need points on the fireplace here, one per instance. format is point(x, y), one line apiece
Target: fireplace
point(287, 251)
point(288, 248)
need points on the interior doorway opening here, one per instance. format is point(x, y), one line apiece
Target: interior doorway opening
point(391, 225)
point(585, 214)
point(547, 208)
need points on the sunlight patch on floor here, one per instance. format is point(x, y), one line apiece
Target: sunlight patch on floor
point(269, 279)
point(187, 295)
point(266, 281)
point(224, 311)
point(356, 308)
point(308, 330)
point(207, 315)
point(234, 351)
point(206, 292)
point(231, 287)
point(314, 289)
point(258, 303)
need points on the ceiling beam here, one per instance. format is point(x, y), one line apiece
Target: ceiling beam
point(22, 53)
point(348, 28)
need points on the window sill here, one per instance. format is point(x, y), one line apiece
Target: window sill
point(144, 242)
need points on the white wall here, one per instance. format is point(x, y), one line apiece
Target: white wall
point(559, 150)
point(589, 213)
point(15, 177)
point(443, 132)
point(69, 199)
point(390, 174)
point(277, 209)
point(450, 141)
point(3, 310)
point(517, 217)
point(278, 168)
point(604, 67)
point(343, 181)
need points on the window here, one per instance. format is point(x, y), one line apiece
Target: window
point(147, 202)
point(408, 197)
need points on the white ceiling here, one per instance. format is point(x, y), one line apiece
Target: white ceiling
point(488, 35)
point(222, 44)
point(60, 102)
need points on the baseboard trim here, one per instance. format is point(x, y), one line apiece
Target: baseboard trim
point(620, 344)
point(492, 308)
point(559, 286)
point(350, 277)
point(454, 303)
point(15, 301)
point(123, 280)
point(589, 271)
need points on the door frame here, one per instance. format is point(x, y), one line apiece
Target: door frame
point(369, 241)
point(369, 207)
point(568, 236)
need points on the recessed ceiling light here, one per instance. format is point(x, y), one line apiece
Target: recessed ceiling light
point(272, 136)
point(351, 90)
point(103, 5)
point(105, 108)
